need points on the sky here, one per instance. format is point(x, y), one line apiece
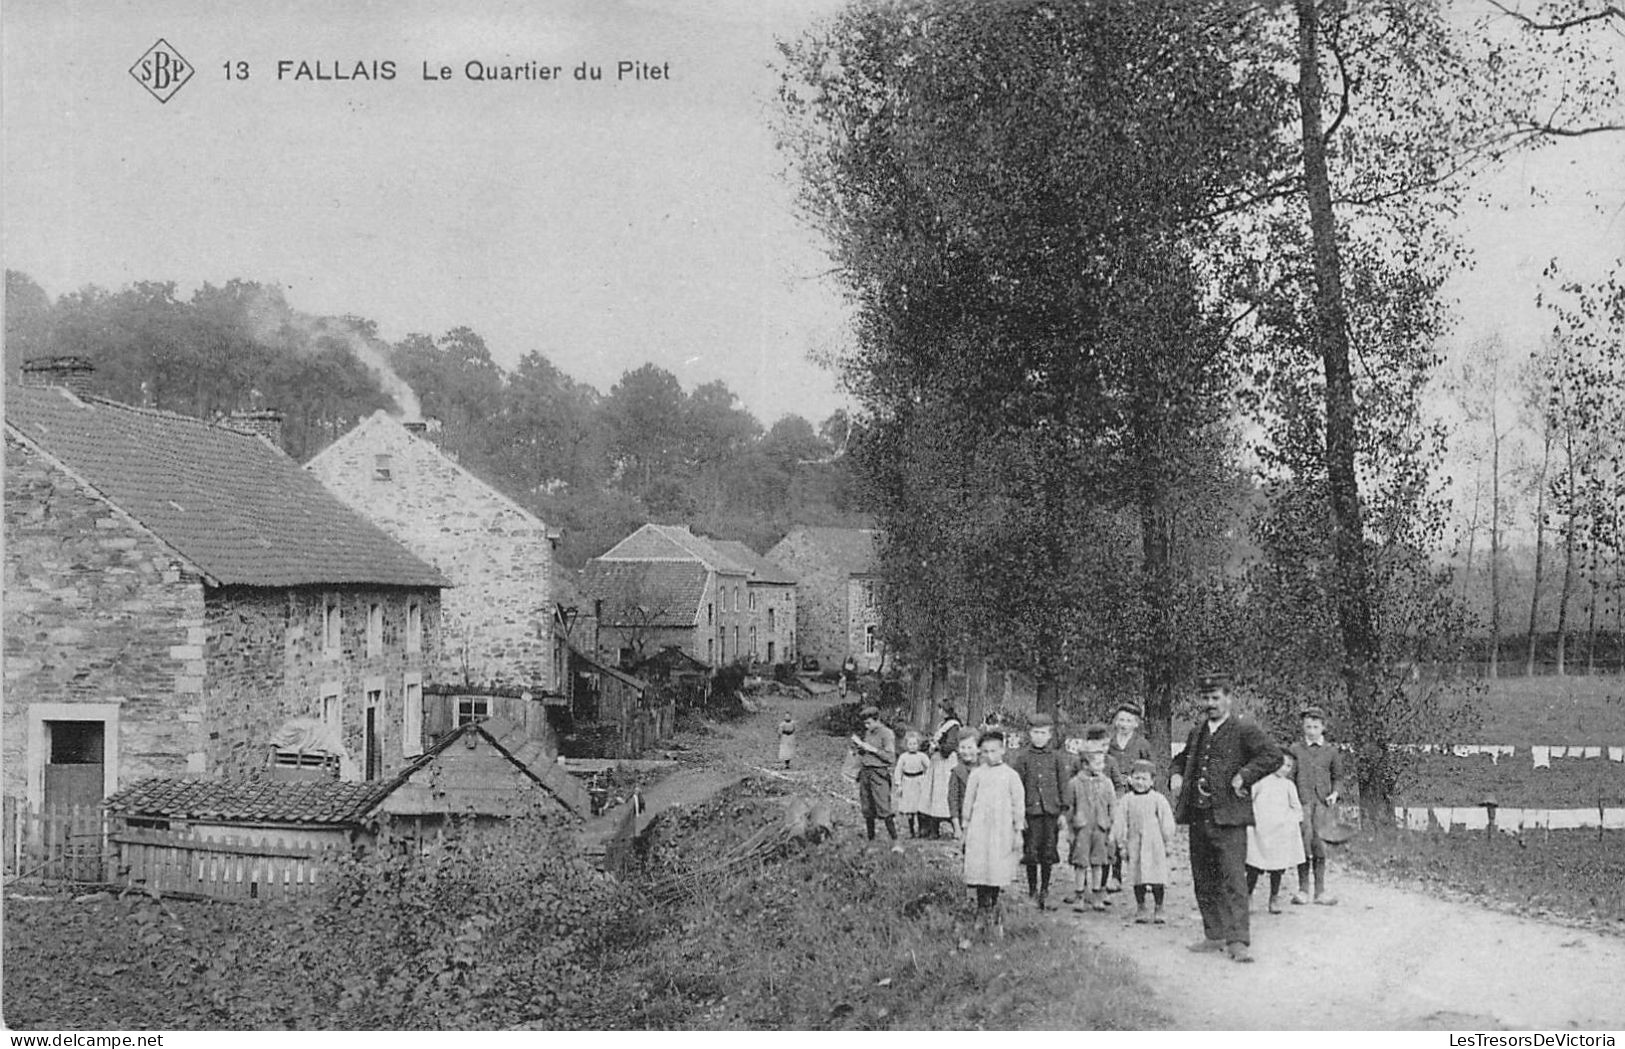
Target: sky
point(602, 223)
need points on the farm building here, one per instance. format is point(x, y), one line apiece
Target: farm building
point(836, 611)
point(177, 590)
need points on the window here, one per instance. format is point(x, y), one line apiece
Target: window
point(332, 628)
point(412, 717)
point(414, 625)
point(869, 639)
point(710, 650)
point(372, 746)
point(868, 595)
point(472, 708)
point(710, 616)
point(770, 651)
point(753, 652)
point(332, 708)
point(736, 599)
point(771, 616)
point(381, 467)
point(375, 630)
point(737, 650)
point(751, 597)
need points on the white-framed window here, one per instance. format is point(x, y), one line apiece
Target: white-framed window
point(375, 629)
point(772, 615)
point(753, 652)
point(412, 716)
point(750, 597)
point(333, 705)
point(372, 744)
point(332, 627)
point(710, 613)
point(710, 650)
point(737, 650)
point(41, 717)
point(868, 594)
point(472, 708)
point(870, 639)
point(736, 598)
point(382, 467)
point(414, 625)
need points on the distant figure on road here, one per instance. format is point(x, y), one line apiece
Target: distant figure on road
point(849, 671)
point(1322, 780)
point(994, 819)
point(877, 753)
point(1224, 756)
point(787, 739)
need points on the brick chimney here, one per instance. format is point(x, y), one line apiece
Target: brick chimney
point(266, 422)
point(72, 373)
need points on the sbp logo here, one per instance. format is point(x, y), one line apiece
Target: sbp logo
point(162, 71)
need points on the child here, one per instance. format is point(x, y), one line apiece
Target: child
point(1275, 840)
point(1044, 771)
point(1322, 778)
point(967, 757)
point(787, 739)
point(876, 754)
point(1143, 832)
point(911, 783)
point(994, 818)
point(1125, 747)
point(1092, 803)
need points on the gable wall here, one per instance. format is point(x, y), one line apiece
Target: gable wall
point(497, 615)
point(822, 623)
point(97, 610)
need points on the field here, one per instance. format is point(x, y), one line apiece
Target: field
point(1525, 711)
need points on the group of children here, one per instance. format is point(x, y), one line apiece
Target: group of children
point(1122, 829)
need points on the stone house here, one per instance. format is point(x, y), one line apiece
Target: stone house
point(176, 590)
point(663, 585)
point(770, 600)
point(499, 623)
point(836, 611)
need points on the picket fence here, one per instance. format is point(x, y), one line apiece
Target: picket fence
point(55, 845)
point(82, 845)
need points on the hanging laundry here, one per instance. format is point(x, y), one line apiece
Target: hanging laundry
point(1542, 757)
point(1616, 753)
point(1613, 819)
point(1416, 819)
point(1509, 820)
point(1464, 750)
point(1593, 752)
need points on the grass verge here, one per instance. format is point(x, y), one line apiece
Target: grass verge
point(1575, 874)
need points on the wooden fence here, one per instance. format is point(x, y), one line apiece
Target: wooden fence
point(232, 868)
point(54, 845)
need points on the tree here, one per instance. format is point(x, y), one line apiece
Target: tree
point(645, 413)
point(28, 319)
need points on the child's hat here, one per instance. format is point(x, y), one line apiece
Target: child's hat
point(1312, 712)
point(869, 712)
point(1143, 765)
point(1130, 707)
point(968, 733)
point(1096, 731)
point(1040, 721)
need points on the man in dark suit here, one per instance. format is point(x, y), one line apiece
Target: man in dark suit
point(1224, 756)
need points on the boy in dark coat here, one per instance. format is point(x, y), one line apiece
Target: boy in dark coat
point(1322, 779)
point(1224, 756)
point(1044, 770)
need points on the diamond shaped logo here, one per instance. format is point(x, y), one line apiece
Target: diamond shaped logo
point(162, 71)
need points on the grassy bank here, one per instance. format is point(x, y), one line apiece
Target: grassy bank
point(1578, 874)
point(513, 931)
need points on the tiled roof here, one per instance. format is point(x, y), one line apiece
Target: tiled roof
point(656, 542)
point(851, 548)
point(761, 569)
point(670, 591)
point(258, 801)
point(231, 504)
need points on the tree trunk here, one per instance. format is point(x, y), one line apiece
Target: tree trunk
point(1156, 543)
point(1331, 333)
point(976, 693)
point(1540, 551)
point(1495, 536)
point(1568, 565)
point(1591, 629)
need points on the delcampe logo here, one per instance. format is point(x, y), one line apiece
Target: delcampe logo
point(162, 71)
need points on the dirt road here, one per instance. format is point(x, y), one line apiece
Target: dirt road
point(1384, 958)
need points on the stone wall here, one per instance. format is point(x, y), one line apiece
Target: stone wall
point(499, 610)
point(780, 600)
point(97, 610)
point(268, 663)
point(821, 613)
point(862, 613)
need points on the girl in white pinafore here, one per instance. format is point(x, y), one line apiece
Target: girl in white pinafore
point(1275, 840)
point(994, 814)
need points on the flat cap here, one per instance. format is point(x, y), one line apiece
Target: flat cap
point(1312, 712)
point(1040, 721)
point(1130, 707)
point(1213, 682)
point(869, 712)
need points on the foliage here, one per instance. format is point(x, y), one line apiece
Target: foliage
point(594, 466)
